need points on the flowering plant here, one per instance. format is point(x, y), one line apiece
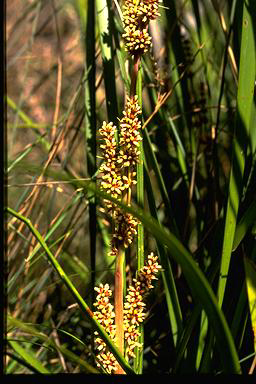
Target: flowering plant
point(118, 172)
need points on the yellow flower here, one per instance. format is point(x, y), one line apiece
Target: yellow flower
point(130, 136)
point(136, 16)
point(134, 314)
point(104, 315)
point(134, 307)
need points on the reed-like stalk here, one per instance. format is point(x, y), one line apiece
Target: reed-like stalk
point(121, 158)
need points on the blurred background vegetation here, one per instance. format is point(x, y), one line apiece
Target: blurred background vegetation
point(191, 76)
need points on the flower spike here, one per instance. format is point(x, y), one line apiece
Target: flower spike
point(136, 16)
point(134, 313)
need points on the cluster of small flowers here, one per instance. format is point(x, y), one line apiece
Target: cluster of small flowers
point(114, 181)
point(118, 172)
point(147, 273)
point(130, 136)
point(125, 227)
point(104, 315)
point(134, 307)
point(134, 314)
point(110, 171)
point(136, 16)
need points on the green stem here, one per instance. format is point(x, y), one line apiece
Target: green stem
point(119, 310)
point(90, 135)
point(138, 362)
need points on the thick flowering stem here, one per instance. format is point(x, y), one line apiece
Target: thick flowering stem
point(129, 139)
point(118, 173)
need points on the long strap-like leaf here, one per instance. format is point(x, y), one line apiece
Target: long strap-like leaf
point(200, 287)
point(241, 137)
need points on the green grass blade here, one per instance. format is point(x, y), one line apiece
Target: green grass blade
point(23, 154)
point(15, 360)
point(206, 360)
point(244, 103)
point(91, 134)
point(177, 56)
point(151, 159)
point(202, 339)
point(181, 154)
point(104, 27)
point(253, 130)
point(138, 361)
point(55, 226)
point(82, 10)
point(46, 145)
point(28, 356)
point(184, 339)
point(72, 336)
point(82, 304)
point(90, 91)
point(140, 180)
point(77, 266)
point(244, 225)
point(121, 54)
point(250, 273)
point(29, 329)
point(172, 299)
point(238, 314)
